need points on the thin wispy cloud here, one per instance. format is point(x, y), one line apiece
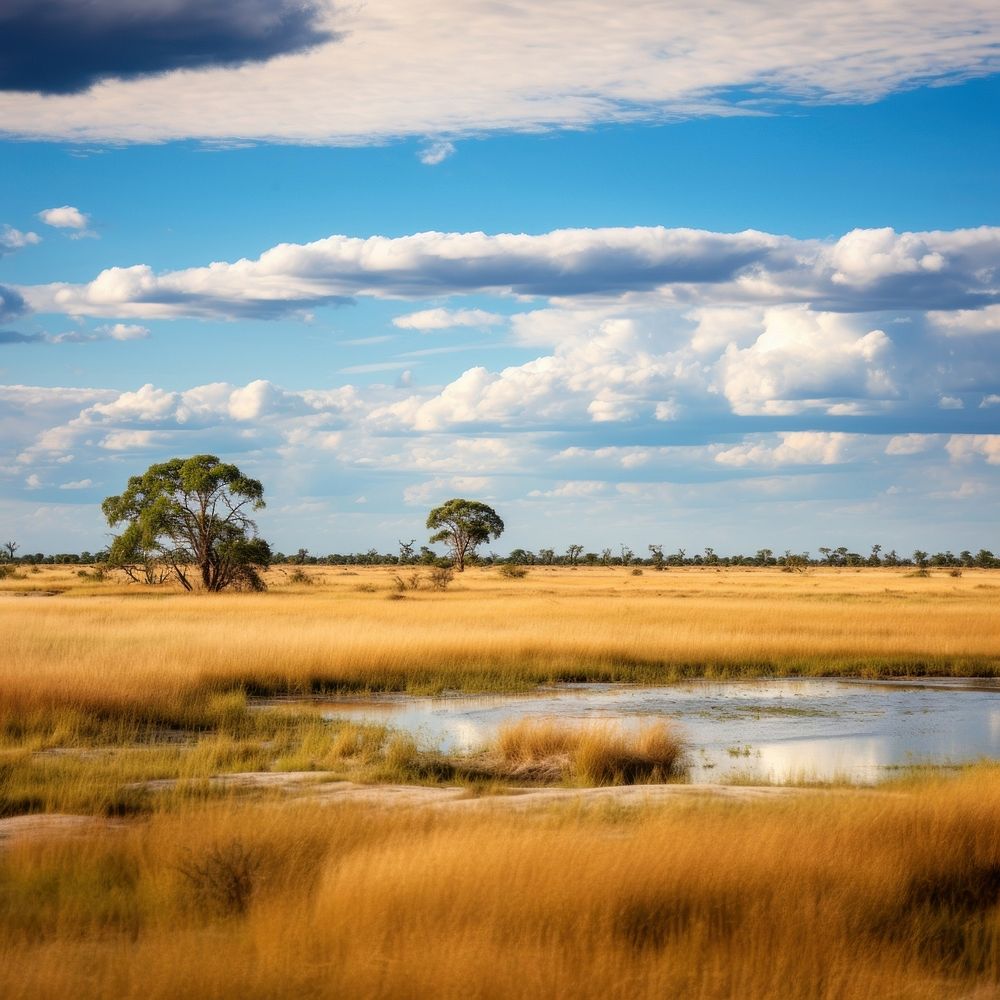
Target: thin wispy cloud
point(457, 69)
point(447, 319)
point(381, 338)
point(436, 152)
point(376, 366)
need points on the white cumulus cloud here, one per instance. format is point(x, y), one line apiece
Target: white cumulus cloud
point(14, 239)
point(64, 217)
point(965, 447)
point(681, 266)
point(910, 444)
point(967, 322)
point(806, 360)
point(791, 448)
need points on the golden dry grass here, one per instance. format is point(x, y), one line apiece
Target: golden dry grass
point(148, 652)
point(532, 749)
point(887, 894)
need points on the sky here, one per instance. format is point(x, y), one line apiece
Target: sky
point(630, 273)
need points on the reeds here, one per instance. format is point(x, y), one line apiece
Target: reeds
point(545, 750)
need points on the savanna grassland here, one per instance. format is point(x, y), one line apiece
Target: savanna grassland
point(106, 644)
point(124, 705)
point(887, 893)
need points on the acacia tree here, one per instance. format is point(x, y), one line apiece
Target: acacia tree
point(193, 515)
point(464, 524)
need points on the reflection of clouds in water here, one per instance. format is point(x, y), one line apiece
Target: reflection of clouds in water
point(858, 728)
point(466, 735)
point(823, 759)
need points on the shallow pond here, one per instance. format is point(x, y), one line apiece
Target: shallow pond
point(779, 730)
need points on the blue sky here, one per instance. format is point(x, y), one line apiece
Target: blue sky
point(749, 296)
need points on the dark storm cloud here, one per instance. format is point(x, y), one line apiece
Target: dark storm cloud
point(11, 303)
point(13, 337)
point(64, 46)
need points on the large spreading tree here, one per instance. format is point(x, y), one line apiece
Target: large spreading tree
point(464, 524)
point(192, 515)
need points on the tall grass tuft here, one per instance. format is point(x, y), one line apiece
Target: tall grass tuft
point(548, 751)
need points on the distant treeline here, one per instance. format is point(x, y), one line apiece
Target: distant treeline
point(575, 555)
point(654, 557)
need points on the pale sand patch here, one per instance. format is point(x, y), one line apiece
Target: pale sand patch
point(315, 786)
point(17, 828)
point(318, 786)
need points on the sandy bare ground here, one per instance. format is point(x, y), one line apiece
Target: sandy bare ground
point(313, 786)
point(14, 829)
point(318, 786)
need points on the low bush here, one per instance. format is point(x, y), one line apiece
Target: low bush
point(225, 878)
point(441, 577)
point(512, 571)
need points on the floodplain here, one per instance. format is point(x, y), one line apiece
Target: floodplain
point(172, 822)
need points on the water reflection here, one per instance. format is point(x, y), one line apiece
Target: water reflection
point(781, 729)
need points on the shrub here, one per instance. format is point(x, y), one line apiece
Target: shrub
point(637, 571)
point(441, 577)
point(512, 571)
point(299, 575)
point(226, 878)
point(98, 574)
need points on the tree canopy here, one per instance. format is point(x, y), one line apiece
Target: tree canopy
point(192, 515)
point(464, 524)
